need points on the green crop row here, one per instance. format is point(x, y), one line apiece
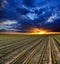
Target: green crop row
point(31, 47)
point(53, 55)
point(57, 43)
point(42, 54)
point(14, 46)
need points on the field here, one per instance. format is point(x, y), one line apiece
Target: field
point(29, 49)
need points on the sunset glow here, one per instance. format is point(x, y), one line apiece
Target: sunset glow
point(39, 31)
point(42, 32)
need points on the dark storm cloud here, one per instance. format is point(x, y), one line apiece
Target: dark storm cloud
point(30, 13)
point(22, 11)
point(29, 3)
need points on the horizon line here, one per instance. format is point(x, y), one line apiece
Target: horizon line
point(27, 33)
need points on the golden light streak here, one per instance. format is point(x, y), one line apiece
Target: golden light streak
point(39, 31)
point(32, 31)
point(42, 32)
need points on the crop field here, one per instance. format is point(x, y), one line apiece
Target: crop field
point(29, 49)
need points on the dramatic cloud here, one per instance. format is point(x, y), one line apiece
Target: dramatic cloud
point(8, 22)
point(32, 16)
point(8, 25)
point(22, 15)
point(52, 18)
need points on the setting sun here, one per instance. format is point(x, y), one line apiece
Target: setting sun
point(42, 32)
point(38, 31)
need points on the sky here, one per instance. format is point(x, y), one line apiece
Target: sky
point(26, 15)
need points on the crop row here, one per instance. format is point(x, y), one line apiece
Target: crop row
point(53, 54)
point(8, 50)
point(43, 53)
point(57, 43)
point(33, 53)
point(32, 50)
